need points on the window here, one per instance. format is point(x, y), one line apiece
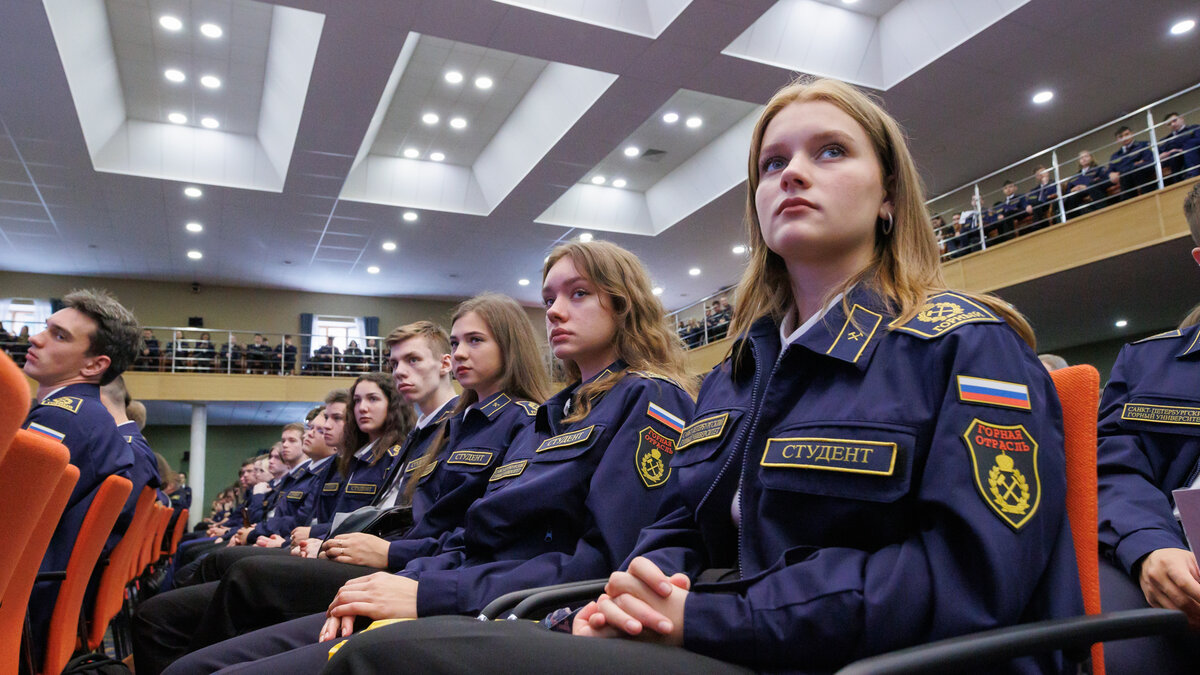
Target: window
point(16, 313)
point(343, 329)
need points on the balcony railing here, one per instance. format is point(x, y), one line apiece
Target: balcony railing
point(192, 350)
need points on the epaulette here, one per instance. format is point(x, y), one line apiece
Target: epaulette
point(943, 313)
point(68, 403)
point(1161, 336)
point(654, 376)
point(530, 407)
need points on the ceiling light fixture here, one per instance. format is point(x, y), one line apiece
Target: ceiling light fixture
point(430, 118)
point(657, 290)
point(522, 282)
point(695, 272)
point(598, 180)
point(618, 182)
point(1182, 27)
point(177, 118)
point(211, 30)
point(174, 75)
point(437, 156)
point(211, 81)
point(412, 153)
point(195, 255)
point(671, 118)
point(1043, 96)
point(410, 216)
point(453, 76)
point(458, 123)
point(739, 249)
point(170, 22)
point(483, 82)
point(389, 246)
point(632, 151)
point(372, 270)
point(585, 237)
point(209, 123)
point(694, 122)
point(194, 227)
point(1121, 323)
point(192, 191)
point(849, 2)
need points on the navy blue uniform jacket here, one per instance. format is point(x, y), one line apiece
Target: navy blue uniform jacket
point(343, 494)
point(297, 502)
point(1129, 157)
point(569, 500)
point(1149, 444)
point(887, 499)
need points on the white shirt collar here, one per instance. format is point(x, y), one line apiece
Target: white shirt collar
point(313, 467)
point(786, 339)
point(365, 451)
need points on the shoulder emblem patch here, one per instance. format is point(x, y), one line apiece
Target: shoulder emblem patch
point(46, 431)
point(471, 457)
point(444, 416)
point(1004, 460)
point(993, 392)
point(495, 405)
point(702, 430)
point(1163, 414)
point(943, 313)
point(1161, 336)
point(565, 440)
point(510, 470)
point(530, 407)
point(654, 376)
point(657, 412)
point(393, 451)
point(653, 457)
point(69, 403)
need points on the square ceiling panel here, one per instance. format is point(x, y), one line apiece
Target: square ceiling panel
point(640, 17)
point(204, 92)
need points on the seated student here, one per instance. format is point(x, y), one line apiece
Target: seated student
point(148, 355)
point(498, 364)
point(1041, 200)
point(231, 360)
point(371, 357)
point(178, 355)
point(1179, 152)
point(1007, 212)
point(354, 357)
point(1131, 167)
point(575, 487)
point(204, 353)
point(1085, 191)
point(835, 464)
point(325, 360)
point(85, 345)
point(972, 222)
point(1148, 447)
point(283, 360)
point(114, 396)
point(256, 354)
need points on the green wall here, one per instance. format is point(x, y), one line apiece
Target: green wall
point(226, 447)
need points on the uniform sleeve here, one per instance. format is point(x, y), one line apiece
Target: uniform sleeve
point(963, 567)
point(619, 503)
point(1135, 515)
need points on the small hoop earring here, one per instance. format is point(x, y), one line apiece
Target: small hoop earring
point(887, 229)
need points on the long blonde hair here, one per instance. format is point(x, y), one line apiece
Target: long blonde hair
point(905, 267)
point(643, 339)
point(522, 370)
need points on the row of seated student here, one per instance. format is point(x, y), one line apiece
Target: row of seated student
point(715, 325)
point(15, 345)
point(861, 392)
point(1130, 172)
point(201, 355)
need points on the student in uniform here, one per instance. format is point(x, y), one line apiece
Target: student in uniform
point(1131, 167)
point(1086, 190)
point(575, 487)
point(842, 459)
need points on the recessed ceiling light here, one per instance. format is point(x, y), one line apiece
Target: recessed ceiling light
point(211, 81)
point(192, 191)
point(412, 153)
point(671, 118)
point(657, 290)
point(453, 76)
point(618, 182)
point(585, 237)
point(372, 270)
point(458, 123)
point(437, 156)
point(170, 22)
point(1182, 27)
point(177, 118)
point(739, 249)
point(694, 122)
point(194, 227)
point(1043, 96)
point(211, 30)
point(174, 75)
point(1121, 323)
point(430, 118)
point(695, 271)
point(849, 2)
point(483, 82)
point(209, 123)
point(195, 255)
point(598, 180)
point(389, 246)
point(522, 282)
point(633, 151)
point(410, 216)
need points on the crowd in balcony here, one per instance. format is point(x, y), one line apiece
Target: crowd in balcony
point(201, 355)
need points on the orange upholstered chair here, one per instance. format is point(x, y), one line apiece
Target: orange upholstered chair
point(110, 593)
point(177, 532)
point(16, 596)
point(14, 401)
point(28, 474)
point(97, 525)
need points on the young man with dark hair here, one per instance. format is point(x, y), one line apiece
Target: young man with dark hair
point(1179, 151)
point(1007, 212)
point(1148, 447)
point(1132, 166)
point(86, 344)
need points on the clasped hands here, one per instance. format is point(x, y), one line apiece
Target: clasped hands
point(642, 603)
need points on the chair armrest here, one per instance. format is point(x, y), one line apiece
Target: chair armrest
point(549, 599)
point(976, 651)
point(510, 601)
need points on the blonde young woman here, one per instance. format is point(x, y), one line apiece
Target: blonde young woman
point(878, 461)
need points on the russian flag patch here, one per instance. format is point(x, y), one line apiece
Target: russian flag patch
point(655, 412)
point(993, 392)
point(46, 431)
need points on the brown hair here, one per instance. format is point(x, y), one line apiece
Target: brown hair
point(396, 424)
point(643, 339)
point(439, 341)
point(297, 426)
point(522, 369)
point(905, 267)
point(117, 334)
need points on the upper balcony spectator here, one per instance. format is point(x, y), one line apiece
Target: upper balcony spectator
point(1006, 213)
point(1041, 199)
point(149, 356)
point(204, 353)
point(258, 354)
point(1131, 167)
point(1086, 191)
point(1179, 152)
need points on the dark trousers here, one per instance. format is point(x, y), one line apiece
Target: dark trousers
point(456, 644)
point(213, 567)
point(1159, 655)
point(289, 648)
point(163, 626)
